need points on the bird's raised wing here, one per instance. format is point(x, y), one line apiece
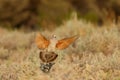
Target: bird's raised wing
point(41, 41)
point(64, 43)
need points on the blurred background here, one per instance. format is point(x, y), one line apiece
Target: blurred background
point(48, 14)
point(95, 55)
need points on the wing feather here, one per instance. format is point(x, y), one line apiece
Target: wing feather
point(64, 43)
point(41, 41)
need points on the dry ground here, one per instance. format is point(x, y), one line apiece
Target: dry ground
point(94, 56)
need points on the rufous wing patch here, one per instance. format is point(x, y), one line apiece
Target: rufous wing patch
point(41, 41)
point(64, 43)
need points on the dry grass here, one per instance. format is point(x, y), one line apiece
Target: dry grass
point(94, 56)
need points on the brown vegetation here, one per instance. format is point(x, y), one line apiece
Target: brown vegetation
point(94, 56)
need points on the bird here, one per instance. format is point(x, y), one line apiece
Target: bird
point(48, 47)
